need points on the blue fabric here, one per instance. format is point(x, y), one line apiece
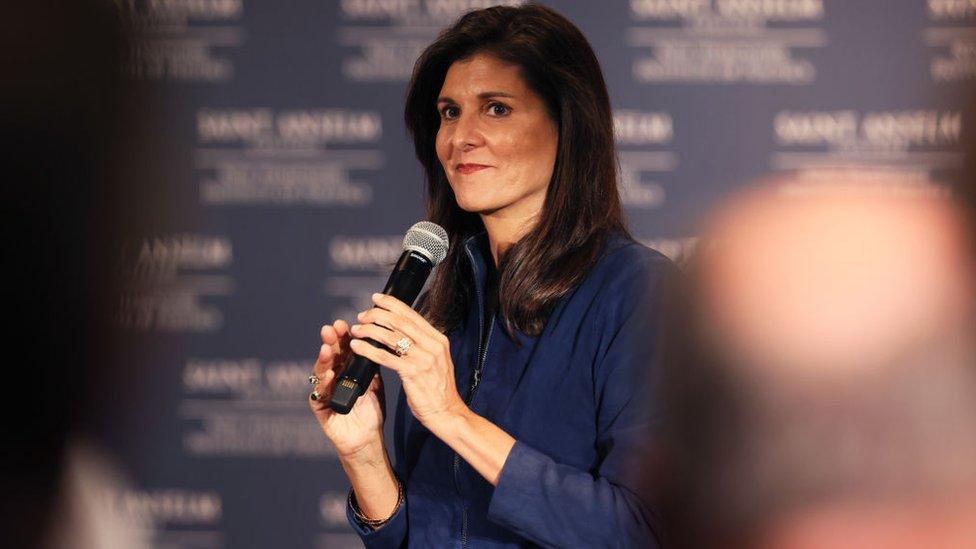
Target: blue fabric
point(576, 400)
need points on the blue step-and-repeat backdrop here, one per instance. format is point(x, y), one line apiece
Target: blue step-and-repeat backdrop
point(271, 180)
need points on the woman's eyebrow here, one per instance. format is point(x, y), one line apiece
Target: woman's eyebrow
point(482, 95)
point(487, 94)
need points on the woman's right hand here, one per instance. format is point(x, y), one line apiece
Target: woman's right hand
point(361, 430)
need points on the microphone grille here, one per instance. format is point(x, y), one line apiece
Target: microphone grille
point(429, 239)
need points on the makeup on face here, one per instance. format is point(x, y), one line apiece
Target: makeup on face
point(496, 141)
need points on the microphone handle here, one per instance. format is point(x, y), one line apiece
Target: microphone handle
point(405, 283)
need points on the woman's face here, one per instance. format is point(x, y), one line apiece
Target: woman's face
point(496, 141)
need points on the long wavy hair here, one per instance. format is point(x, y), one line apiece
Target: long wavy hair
point(582, 204)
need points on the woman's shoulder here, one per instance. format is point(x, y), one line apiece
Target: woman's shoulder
point(626, 275)
point(624, 262)
point(626, 278)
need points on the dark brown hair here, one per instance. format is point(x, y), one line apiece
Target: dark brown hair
point(582, 204)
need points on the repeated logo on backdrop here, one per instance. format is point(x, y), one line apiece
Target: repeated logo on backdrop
point(248, 407)
point(360, 266)
point(920, 141)
point(295, 180)
point(259, 156)
point(725, 41)
point(951, 40)
point(641, 137)
point(174, 283)
point(380, 40)
point(183, 40)
point(180, 517)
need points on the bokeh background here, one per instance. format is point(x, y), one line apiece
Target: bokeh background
point(263, 180)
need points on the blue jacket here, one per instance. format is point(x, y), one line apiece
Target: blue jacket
point(575, 398)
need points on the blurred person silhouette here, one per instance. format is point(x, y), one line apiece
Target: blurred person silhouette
point(58, 115)
point(820, 372)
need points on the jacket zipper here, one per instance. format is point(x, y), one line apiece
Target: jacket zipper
point(476, 376)
point(478, 373)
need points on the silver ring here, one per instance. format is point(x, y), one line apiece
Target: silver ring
point(314, 380)
point(403, 345)
point(315, 396)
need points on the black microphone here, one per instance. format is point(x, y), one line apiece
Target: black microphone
point(424, 246)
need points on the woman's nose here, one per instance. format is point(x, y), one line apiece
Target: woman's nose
point(467, 132)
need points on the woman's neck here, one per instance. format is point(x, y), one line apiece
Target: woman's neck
point(507, 225)
point(503, 231)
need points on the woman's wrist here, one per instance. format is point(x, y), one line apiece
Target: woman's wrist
point(373, 481)
point(370, 455)
point(376, 523)
point(481, 443)
point(449, 423)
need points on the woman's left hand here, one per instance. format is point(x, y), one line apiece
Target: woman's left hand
point(426, 370)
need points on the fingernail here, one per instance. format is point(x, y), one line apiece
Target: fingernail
point(355, 327)
point(377, 296)
point(361, 315)
point(355, 343)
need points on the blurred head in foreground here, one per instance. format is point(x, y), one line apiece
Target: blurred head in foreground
point(821, 373)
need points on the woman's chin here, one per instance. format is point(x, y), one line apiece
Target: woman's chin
point(475, 205)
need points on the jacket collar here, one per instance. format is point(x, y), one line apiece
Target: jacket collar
point(476, 249)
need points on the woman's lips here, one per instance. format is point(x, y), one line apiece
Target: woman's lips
point(470, 168)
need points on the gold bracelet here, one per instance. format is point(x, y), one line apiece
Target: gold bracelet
point(376, 523)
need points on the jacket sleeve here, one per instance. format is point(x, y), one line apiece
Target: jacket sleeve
point(556, 505)
point(393, 534)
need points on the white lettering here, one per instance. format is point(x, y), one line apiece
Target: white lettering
point(197, 9)
point(951, 9)
point(171, 506)
point(365, 253)
point(330, 125)
point(222, 375)
point(912, 127)
point(781, 10)
point(187, 251)
point(228, 126)
point(809, 128)
point(669, 9)
point(454, 8)
point(636, 127)
point(366, 9)
point(287, 377)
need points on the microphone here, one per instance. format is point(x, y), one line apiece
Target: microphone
point(424, 246)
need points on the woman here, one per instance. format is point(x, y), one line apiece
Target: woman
point(522, 397)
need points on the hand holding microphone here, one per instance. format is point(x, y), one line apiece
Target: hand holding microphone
point(338, 388)
point(358, 434)
point(424, 246)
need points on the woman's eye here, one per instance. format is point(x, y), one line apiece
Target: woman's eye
point(497, 109)
point(449, 112)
